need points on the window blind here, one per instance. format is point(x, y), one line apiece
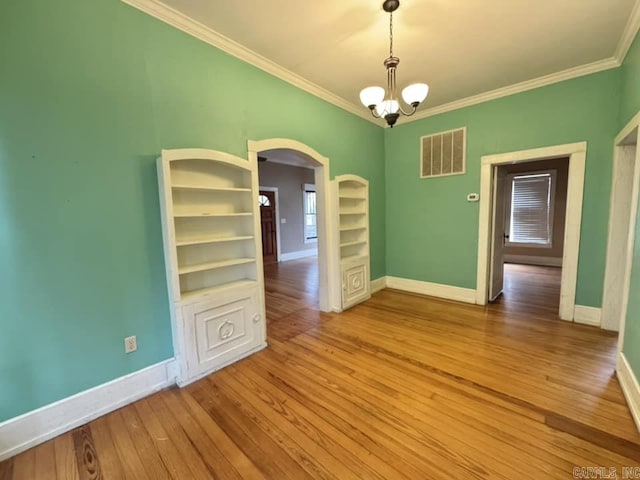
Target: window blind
point(531, 209)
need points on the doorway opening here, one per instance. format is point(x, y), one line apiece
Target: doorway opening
point(491, 237)
point(299, 267)
point(528, 219)
point(622, 227)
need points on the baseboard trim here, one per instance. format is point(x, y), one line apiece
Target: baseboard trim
point(285, 257)
point(534, 260)
point(630, 387)
point(587, 315)
point(26, 431)
point(466, 295)
point(378, 284)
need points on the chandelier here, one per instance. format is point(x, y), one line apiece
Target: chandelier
point(384, 103)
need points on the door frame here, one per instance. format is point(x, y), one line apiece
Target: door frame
point(577, 153)
point(328, 291)
point(275, 190)
point(628, 129)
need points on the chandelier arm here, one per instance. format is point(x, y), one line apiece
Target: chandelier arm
point(414, 107)
point(373, 113)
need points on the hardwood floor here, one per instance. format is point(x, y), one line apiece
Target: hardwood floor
point(400, 387)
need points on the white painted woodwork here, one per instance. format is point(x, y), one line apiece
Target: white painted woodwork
point(624, 165)
point(328, 264)
point(630, 387)
point(351, 194)
point(577, 156)
point(213, 257)
point(630, 134)
point(33, 428)
point(298, 43)
point(496, 282)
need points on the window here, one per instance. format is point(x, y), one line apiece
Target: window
point(264, 201)
point(530, 212)
point(310, 217)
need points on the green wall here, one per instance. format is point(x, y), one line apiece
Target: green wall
point(90, 92)
point(432, 231)
point(630, 107)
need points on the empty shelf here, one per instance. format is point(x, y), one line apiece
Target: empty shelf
point(213, 265)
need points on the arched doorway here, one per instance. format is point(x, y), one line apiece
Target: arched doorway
point(328, 294)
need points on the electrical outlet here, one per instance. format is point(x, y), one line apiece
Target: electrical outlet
point(130, 344)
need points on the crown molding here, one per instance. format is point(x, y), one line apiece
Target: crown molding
point(629, 34)
point(182, 22)
point(545, 80)
point(196, 29)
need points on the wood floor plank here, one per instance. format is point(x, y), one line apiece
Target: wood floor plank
point(242, 464)
point(86, 455)
point(132, 465)
point(164, 444)
point(24, 466)
point(110, 464)
point(46, 461)
point(66, 466)
point(153, 464)
point(6, 469)
point(400, 387)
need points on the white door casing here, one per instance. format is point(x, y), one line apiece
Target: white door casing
point(620, 233)
point(577, 157)
point(329, 291)
point(633, 125)
point(496, 283)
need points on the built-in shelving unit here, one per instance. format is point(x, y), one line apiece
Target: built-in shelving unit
point(352, 194)
point(213, 256)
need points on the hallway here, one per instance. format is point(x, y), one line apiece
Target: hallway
point(532, 288)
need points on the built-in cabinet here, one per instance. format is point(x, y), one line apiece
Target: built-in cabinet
point(351, 195)
point(211, 232)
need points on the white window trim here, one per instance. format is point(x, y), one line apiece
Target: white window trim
point(308, 187)
point(509, 181)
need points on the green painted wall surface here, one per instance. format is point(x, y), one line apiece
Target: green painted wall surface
point(630, 107)
point(630, 82)
point(90, 92)
point(432, 232)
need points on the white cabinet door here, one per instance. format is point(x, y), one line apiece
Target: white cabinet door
point(355, 283)
point(221, 330)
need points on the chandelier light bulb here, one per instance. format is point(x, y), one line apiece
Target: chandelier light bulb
point(387, 107)
point(372, 96)
point(415, 94)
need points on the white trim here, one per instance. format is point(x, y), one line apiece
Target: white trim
point(33, 428)
point(630, 387)
point(624, 133)
point(378, 284)
point(449, 292)
point(328, 288)
point(568, 74)
point(196, 29)
point(629, 33)
point(533, 260)
point(285, 257)
point(621, 231)
point(275, 190)
point(577, 157)
point(587, 315)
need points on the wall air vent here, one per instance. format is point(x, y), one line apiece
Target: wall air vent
point(443, 153)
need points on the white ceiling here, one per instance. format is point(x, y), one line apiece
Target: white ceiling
point(461, 48)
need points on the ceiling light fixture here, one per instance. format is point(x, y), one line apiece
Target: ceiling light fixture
point(384, 103)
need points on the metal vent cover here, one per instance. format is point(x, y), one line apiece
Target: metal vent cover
point(443, 153)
